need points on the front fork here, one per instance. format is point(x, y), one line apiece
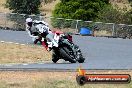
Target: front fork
point(75, 49)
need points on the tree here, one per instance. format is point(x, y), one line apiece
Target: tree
point(115, 15)
point(79, 9)
point(24, 6)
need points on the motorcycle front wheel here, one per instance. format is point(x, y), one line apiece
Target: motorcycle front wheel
point(54, 58)
point(66, 56)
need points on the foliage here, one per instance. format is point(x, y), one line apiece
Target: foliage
point(114, 15)
point(63, 23)
point(130, 0)
point(79, 9)
point(57, 23)
point(24, 6)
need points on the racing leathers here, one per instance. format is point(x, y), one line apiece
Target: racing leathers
point(44, 33)
point(32, 32)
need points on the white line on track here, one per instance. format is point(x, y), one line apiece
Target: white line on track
point(40, 63)
point(23, 44)
point(25, 64)
point(8, 65)
point(13, 43)
point(17, 43)
point(9, 42)
point(2, 41)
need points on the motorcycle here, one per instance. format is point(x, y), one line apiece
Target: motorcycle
point(63, 48)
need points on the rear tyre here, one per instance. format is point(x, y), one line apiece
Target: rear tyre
point(81, 59)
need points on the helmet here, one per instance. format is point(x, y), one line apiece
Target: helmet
point(29, 21)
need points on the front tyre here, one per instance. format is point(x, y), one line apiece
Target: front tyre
point(66, 56)
point(55, 58)
point(79, 54)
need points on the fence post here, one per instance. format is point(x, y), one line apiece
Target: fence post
point(77, 26)
point(113, 30)
point(5, 20)
point(23, 24)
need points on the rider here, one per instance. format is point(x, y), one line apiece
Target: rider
point(33, 31)
point(30, 28)
point(46, 32)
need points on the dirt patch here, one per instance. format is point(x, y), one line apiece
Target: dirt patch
point(47, 9)
point(102, 33)
point(2, 6)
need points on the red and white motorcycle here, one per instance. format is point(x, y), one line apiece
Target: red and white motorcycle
point(62, 47)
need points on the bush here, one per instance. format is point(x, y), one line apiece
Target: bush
point(24, 6)
point(114, 15)
point(78, 9)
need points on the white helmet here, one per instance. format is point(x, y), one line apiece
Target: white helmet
point(29, 21)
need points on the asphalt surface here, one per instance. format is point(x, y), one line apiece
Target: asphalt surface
point(100, 52)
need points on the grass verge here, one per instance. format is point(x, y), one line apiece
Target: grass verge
point(13, 53)
point(52, 80)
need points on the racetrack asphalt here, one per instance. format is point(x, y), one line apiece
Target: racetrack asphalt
point(100, 52)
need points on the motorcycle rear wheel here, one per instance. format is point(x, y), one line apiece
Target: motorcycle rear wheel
point(81, 59)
